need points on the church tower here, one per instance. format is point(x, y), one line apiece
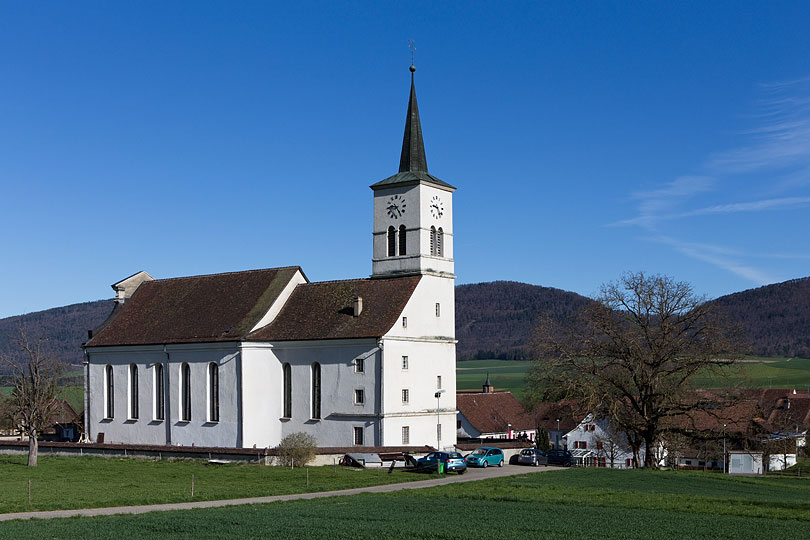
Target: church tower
point(413, 212)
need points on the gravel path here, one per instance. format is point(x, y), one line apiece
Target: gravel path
point(471, 476)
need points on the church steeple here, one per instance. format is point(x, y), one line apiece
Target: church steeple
point(413, 148)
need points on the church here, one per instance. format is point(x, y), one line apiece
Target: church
point(242, 359)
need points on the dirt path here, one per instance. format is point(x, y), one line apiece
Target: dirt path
point(471, 476)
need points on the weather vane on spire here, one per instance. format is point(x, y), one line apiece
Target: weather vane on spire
point(412, 47)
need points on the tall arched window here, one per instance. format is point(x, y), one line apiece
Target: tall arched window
point(402, 244)
point(287, 393)
point(160, 393)
point(109, 393)
point(316, 390)
point(433, 240)
point(185, 393)
point(213, 392)
point(440, 242)
point(392, 241)
point(133, 391)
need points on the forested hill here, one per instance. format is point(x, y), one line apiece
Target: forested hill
point(775, 318)
point(497, 319)
point(64, 329)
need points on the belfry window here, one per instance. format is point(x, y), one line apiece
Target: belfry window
point(185, 393)
point(402, 244)
point(440, 242)
point(392, 241)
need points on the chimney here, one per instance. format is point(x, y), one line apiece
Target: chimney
point(357, 306)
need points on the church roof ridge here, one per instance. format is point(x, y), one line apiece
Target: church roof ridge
point(232, 272)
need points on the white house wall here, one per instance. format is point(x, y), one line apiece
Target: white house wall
point(146, 429)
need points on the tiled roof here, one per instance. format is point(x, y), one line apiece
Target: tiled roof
point(323, 310)
point(492, 412)
point(196, 309)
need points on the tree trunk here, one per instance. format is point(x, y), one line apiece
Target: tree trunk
point(33, 448)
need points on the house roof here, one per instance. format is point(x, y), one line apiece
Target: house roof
point(491, 412)
point(324, 310)
point(209, 308)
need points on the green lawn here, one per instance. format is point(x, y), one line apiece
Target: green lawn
point(756, 372)
point(579, 503)
point(84, 482)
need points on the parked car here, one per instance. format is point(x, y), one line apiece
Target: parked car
point(484, 457)
point(532, 456)
point(451, 461)
point(560, 457)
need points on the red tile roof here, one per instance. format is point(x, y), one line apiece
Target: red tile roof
point(324, 310)
point(492, 412)
point(216, 307)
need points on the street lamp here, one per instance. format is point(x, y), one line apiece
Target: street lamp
point(724, 449)
point(438, 396)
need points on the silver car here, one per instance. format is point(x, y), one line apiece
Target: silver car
point(532, 456)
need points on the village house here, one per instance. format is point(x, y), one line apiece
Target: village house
point(242, 359)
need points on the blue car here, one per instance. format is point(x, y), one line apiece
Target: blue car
point(451, 461)
point(484, 457)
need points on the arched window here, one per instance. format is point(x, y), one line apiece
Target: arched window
point(133, 391)
point(160, 408)
point(392, 241)
point(433, 240)
point(440, 242)
point(402, 244)
point(287, 393)
point(316, 390)
point(213, 392)
point(185, 393)
point(109, 393)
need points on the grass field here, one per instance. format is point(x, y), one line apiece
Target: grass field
point(579, 503)
point(757, 372)
point(85, 482)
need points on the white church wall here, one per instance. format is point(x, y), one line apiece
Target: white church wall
point(146, 429)
point(340, 414)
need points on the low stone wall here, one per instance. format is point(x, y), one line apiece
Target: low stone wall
point(323, 456)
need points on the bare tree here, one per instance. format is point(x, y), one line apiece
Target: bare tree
point(34, 382)
point(631, 357)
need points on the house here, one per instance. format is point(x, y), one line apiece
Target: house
point(595, 442)
point(242, 359)
point(492, 415)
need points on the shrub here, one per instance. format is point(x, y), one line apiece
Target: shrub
point(296, 449)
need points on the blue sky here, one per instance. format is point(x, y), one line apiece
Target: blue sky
point(585, 138)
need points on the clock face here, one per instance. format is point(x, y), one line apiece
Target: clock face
point(436, 207)
point(395, 206)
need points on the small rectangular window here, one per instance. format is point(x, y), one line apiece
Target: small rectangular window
point(438, 382)
point(406, 434)
point(359, 365)
point(404, 322)
point(359, 396)
point(405, 395)
point(438, 309)
point(358, 436)
point(404, 362)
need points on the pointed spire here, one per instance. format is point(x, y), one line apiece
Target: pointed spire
point(413, 148)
